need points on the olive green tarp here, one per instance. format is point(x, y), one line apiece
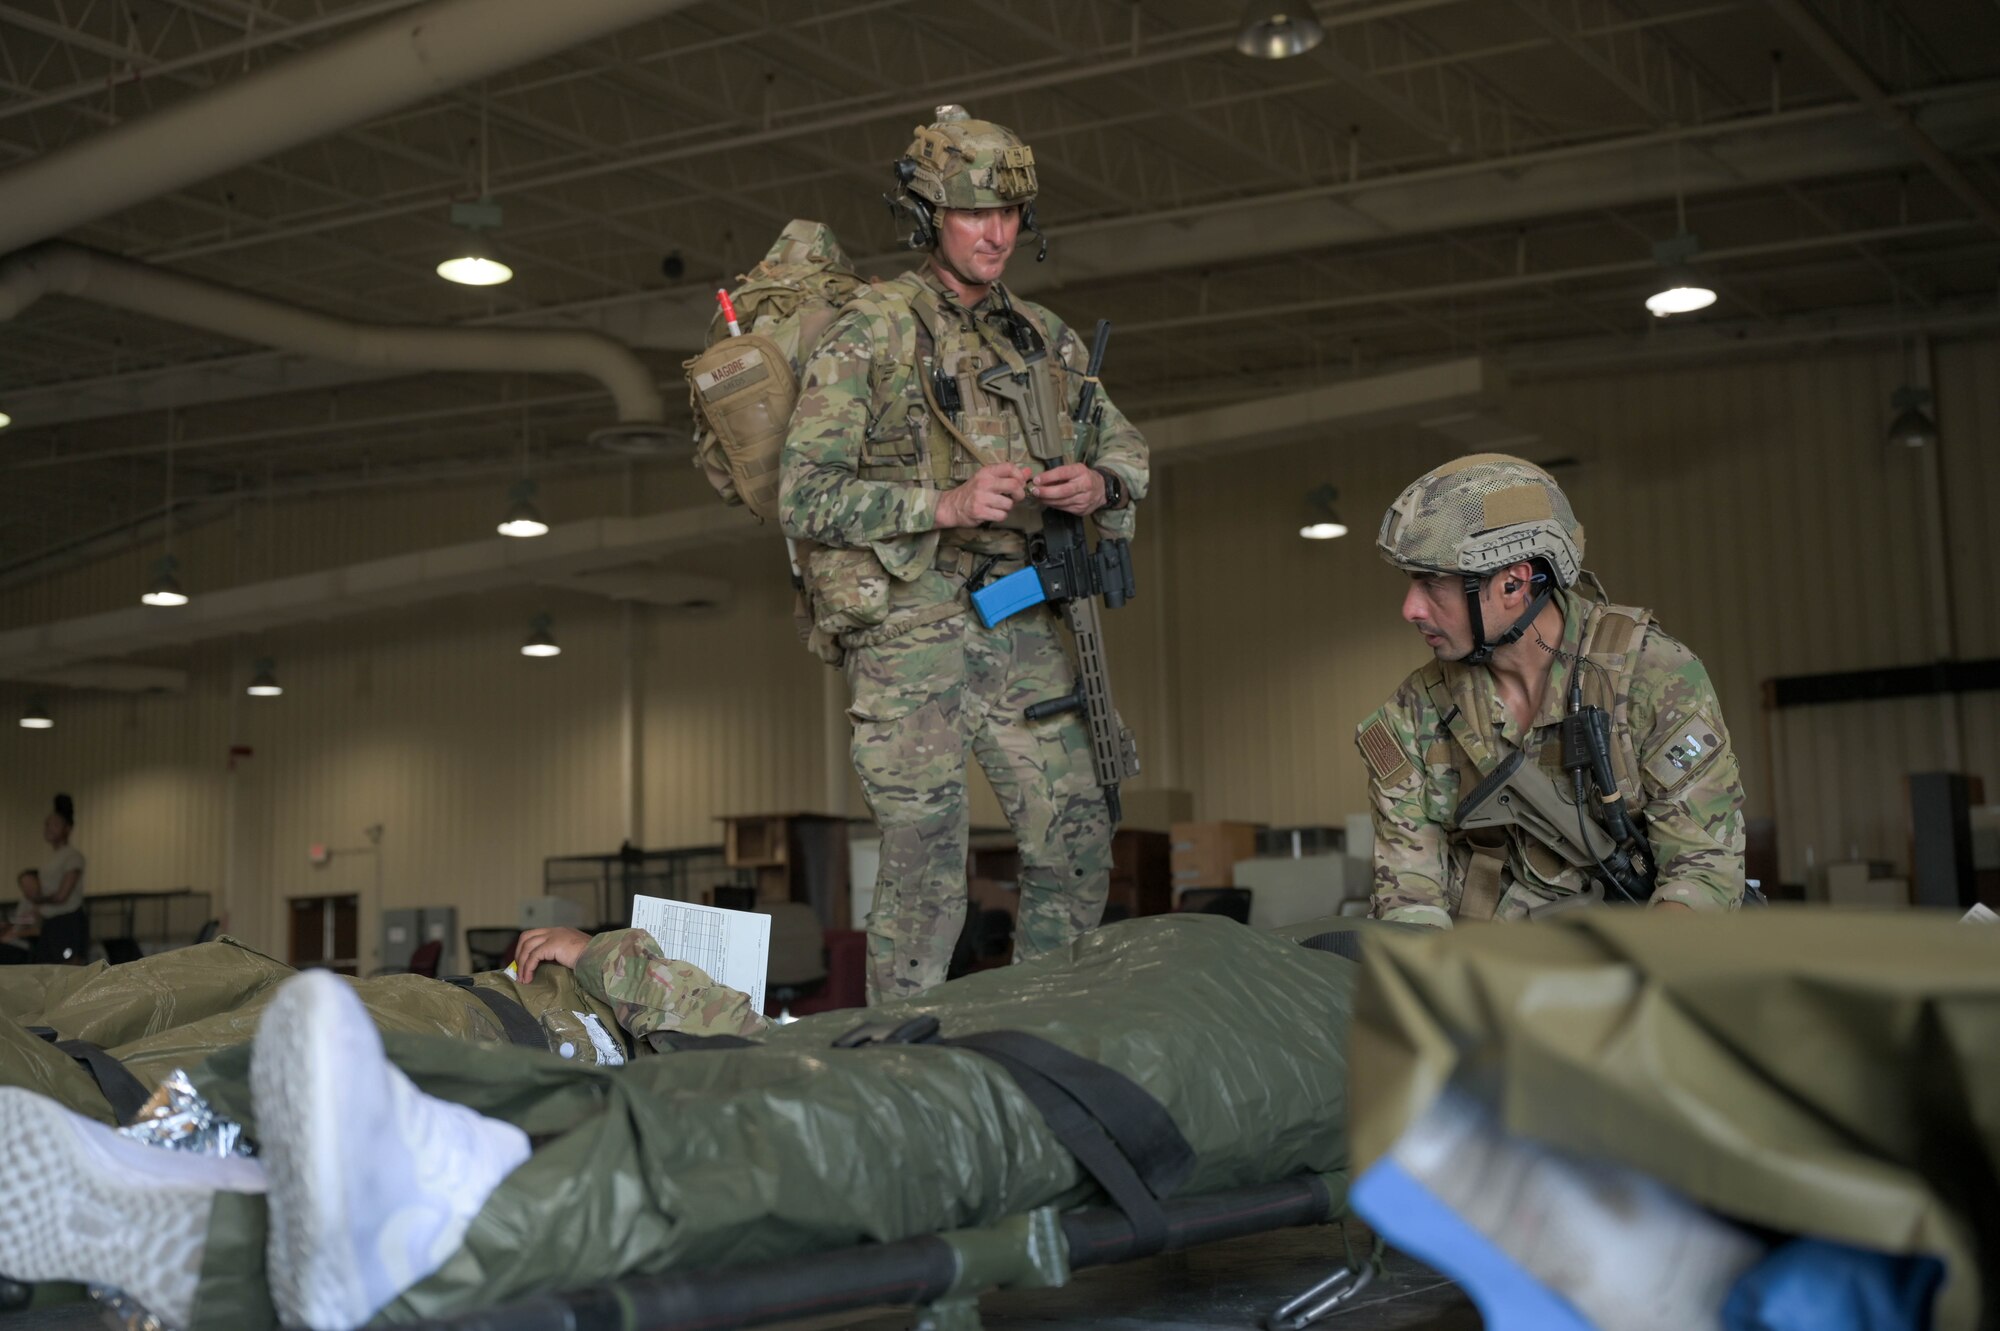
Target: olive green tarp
point(732, 1158)
point(1813, 1072)
point(175, 1009)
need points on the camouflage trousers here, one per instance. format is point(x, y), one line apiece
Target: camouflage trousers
point(921, 703)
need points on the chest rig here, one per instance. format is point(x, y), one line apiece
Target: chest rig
point(1467, 742)
point(961, 389)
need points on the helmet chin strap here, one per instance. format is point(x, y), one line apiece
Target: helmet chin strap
point(1482, 650)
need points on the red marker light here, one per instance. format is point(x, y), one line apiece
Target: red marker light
point(729, 312)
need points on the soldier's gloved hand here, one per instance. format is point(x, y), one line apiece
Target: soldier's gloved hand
point(562, 946)
point(1072, 487)
point(988, 497)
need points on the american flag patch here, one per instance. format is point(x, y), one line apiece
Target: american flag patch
point(1385, 757)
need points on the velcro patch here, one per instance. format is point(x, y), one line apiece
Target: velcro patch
point(1684, 751)
point(732, 376)
point(1385, 757)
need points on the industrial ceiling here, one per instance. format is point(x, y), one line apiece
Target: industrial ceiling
point(1436, 179)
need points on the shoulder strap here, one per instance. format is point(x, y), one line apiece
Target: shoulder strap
point(1615, 630)
point(1474, 749)
point(1612, 641)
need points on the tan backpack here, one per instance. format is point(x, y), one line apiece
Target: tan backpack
point(743, 388)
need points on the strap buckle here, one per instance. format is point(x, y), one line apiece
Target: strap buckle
point(915, 1030)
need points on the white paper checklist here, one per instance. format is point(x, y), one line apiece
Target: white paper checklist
point(733, 946)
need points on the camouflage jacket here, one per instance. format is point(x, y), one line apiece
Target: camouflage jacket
point(1447, 725)
point(869, 451)
point(654, 996)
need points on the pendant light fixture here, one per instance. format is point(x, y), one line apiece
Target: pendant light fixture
point(522, 518)
point(164, 588)
point(264, 680)
point(5, 420)
point(541, 637)
point(1913, 426)
point(1322, 519)
point(476, 263)
point(1681, 288)
point(35, 716)
point(1279, 29)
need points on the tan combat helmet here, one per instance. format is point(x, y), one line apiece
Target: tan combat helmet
point(1476, 515)
point(958, 162)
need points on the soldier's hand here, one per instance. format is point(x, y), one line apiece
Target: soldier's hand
point(562, 946)
point(1072, 487)
point(988, 497)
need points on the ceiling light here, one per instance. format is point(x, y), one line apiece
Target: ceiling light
point(35, 716)
point(1913, 426)
point(264, 681)
point(1322, 520)
point(523, 518)
point(541, 638)
point(1681, 290)
point(1279, 29)
point(165, 589)
point(476, 264)
point(5, 420)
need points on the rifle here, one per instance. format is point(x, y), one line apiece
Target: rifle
point(1519, 793)
point(1065, 572)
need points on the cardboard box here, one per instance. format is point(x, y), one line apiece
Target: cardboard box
point(1859, 883)
point(1205, 854)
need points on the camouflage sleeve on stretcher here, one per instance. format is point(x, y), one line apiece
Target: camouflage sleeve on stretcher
point(821, 495)
point(1694, 791)
point(1119, 447)
point(627, 969)
point(1411, 857)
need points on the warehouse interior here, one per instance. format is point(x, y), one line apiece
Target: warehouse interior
point(1433, 231)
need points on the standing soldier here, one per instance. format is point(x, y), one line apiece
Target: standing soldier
point(933, 424)
point(1499, 593)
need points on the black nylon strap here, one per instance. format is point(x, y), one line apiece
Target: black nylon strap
point(1340, 942)
point(676, 1042)
point(1120, 1134)
point(1143, 1131)
point(125, 1093)
point(521, 1028)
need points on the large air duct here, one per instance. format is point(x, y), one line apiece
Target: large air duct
point(369, 73)
point(59, 268)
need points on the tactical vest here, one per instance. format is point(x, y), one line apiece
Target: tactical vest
point(1010, 410)
point(1611, 640)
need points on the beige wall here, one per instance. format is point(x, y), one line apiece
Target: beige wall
point(1753, 505)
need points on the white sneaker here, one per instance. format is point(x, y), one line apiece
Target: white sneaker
point(373, 1183)
point(80, 1202)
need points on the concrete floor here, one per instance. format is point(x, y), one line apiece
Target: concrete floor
point(1222, 1287)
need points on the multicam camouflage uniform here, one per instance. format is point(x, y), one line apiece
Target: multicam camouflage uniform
point(868, 456)
point(1447, 725)
point(653, 996)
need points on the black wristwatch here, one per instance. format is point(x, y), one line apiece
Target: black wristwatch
point(1114, 489)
